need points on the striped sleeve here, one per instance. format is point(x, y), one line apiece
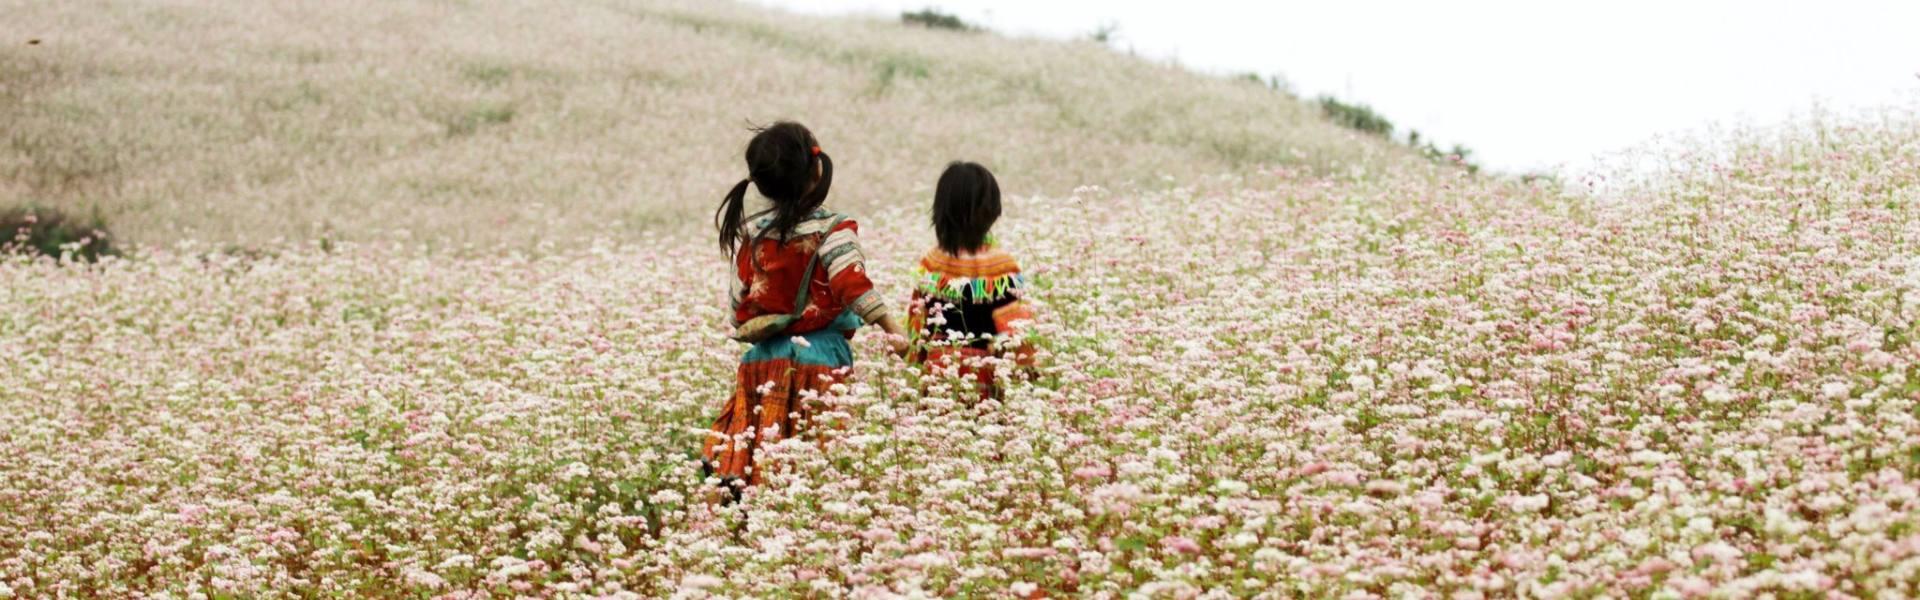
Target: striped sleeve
point(847, 272)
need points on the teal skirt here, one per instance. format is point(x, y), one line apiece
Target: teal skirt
point(826, 347)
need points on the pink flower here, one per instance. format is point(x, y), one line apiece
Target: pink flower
point(1385, 487)
point(1092, 472)
point(1029, 553)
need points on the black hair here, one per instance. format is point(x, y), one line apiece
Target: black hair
point(965, 205)
point(780, 163)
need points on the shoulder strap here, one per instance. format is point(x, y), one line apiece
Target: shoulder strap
point(806, 279)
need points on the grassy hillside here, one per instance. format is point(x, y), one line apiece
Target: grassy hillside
point(514, 122)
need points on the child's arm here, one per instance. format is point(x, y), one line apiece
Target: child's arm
point(1011, 315)
point(917, 326)
point(1007, 322)
point(896, 335)
point(847, 281)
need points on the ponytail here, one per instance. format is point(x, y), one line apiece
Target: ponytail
point(728, 218)
point(819, 195)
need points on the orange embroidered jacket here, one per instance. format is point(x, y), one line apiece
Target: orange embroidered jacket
point(970, 302)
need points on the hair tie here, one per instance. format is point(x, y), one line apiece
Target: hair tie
point(816, 150)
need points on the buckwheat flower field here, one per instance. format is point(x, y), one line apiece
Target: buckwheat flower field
point(1274, 384)
point(420, 301)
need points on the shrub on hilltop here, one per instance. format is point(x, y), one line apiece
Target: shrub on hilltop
point(54, 233)
point(1358, 117)
point(932, 18)
point(1362, 118)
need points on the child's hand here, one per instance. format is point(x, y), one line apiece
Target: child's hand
point(898, 345)
point(896, 336)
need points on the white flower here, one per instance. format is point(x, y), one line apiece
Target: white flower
point(1556, 460)
point(700, 582)
point(418, 577)
point(1649, 457)
point(1361, 383)
point(508, 567)
point(1717, 394)
point(1700, 525)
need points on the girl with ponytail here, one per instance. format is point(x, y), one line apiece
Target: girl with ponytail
point(799, 291)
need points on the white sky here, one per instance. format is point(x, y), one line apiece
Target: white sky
point(1527, 84)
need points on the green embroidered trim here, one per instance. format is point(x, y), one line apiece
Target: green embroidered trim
point(964, 288)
